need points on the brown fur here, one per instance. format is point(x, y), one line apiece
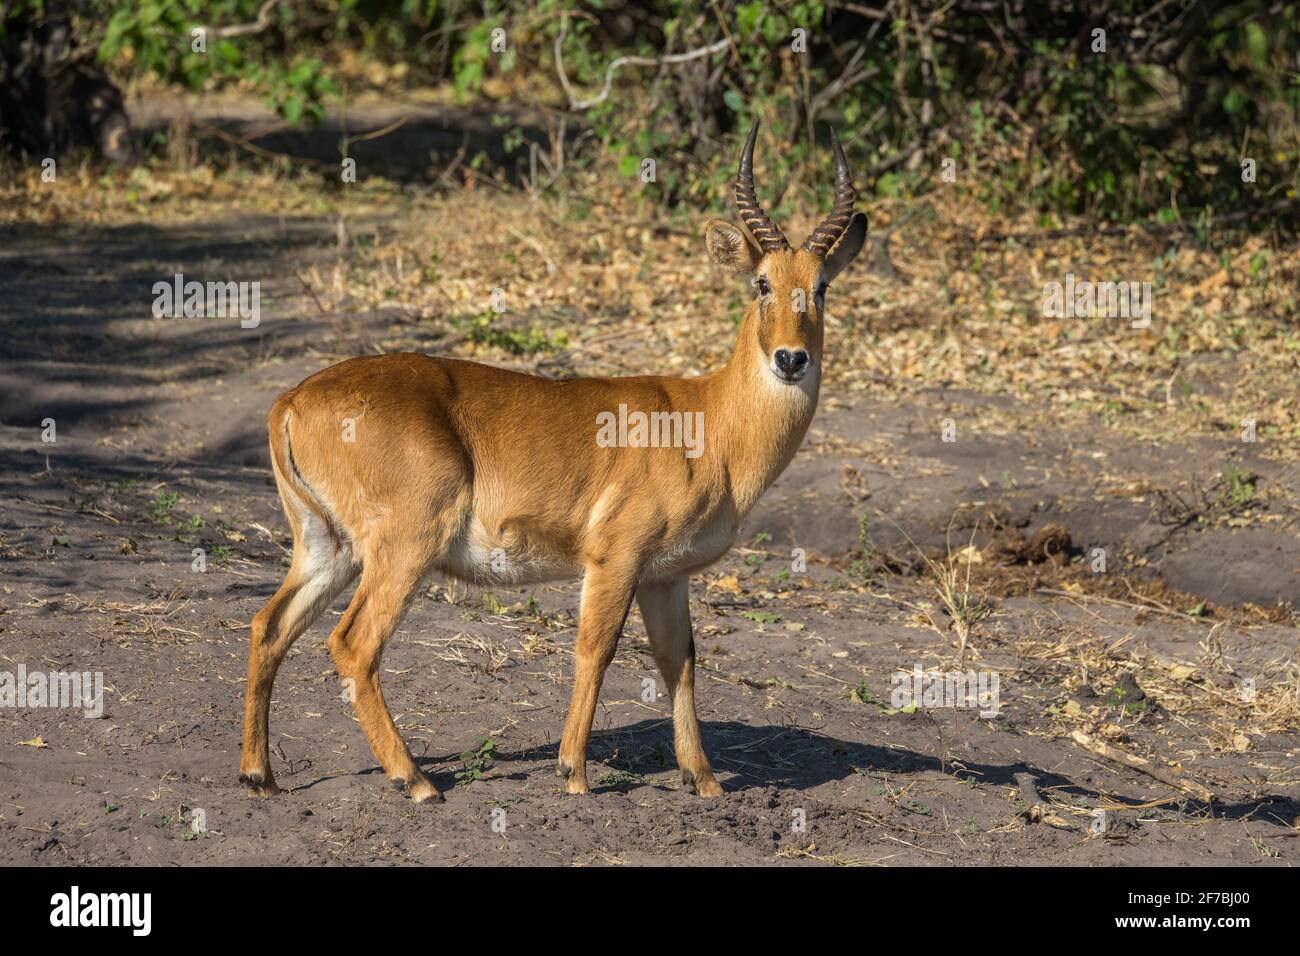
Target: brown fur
point(453, 460)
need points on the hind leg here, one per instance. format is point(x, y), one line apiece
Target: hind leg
point(322, 567)
point(357, 645)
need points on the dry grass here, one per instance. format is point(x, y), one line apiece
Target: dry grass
point(152, 619)
point(469, 651)
point(596, 279)
point(1226, 712)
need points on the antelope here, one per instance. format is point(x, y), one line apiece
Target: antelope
point(455, 463)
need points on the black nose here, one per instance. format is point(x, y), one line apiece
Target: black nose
point(791, 362)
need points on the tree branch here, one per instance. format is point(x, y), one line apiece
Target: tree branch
point(262, 22)
point(577, 104)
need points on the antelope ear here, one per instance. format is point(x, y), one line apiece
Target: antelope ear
point(850, 244)
point(729, 247)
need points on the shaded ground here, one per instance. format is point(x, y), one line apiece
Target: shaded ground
point(398, 138)
point(160, 450)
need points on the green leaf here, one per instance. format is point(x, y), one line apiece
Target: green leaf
point(1257, 44)
point(748, 16)
point(114, 36)
point(291, 109)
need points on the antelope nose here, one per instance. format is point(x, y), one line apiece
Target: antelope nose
point(791, 361)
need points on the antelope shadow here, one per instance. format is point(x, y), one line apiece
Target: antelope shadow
point(758, 757)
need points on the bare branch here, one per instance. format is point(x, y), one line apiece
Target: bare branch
point(576, 104)
point(262, 22)
point(847, 78)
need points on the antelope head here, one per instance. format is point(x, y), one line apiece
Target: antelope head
point(789, 285)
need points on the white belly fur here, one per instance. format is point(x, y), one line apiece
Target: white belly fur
point(477, 558)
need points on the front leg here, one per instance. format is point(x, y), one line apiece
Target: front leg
point(666, 610)
point(607, 591)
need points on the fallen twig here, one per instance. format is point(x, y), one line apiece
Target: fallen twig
point(1038, 810)
point(1164, 775)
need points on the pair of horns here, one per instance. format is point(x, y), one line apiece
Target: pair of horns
point(768, 234)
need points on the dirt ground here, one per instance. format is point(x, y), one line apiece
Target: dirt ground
point(1182, 652)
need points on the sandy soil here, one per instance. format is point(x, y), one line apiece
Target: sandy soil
point(96, 575)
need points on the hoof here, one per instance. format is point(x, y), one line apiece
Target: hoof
point(425, 792)
point(422, 791)
point(574, 783)
point(259, 783)
point(709, 788)
point(702, 787)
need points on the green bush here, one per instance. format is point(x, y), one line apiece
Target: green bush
point(1033, 112)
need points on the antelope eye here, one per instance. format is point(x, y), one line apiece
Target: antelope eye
point(820, 291)
point(764, 287)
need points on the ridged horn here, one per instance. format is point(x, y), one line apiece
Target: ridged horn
point(766, 233)
point(824, 237)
